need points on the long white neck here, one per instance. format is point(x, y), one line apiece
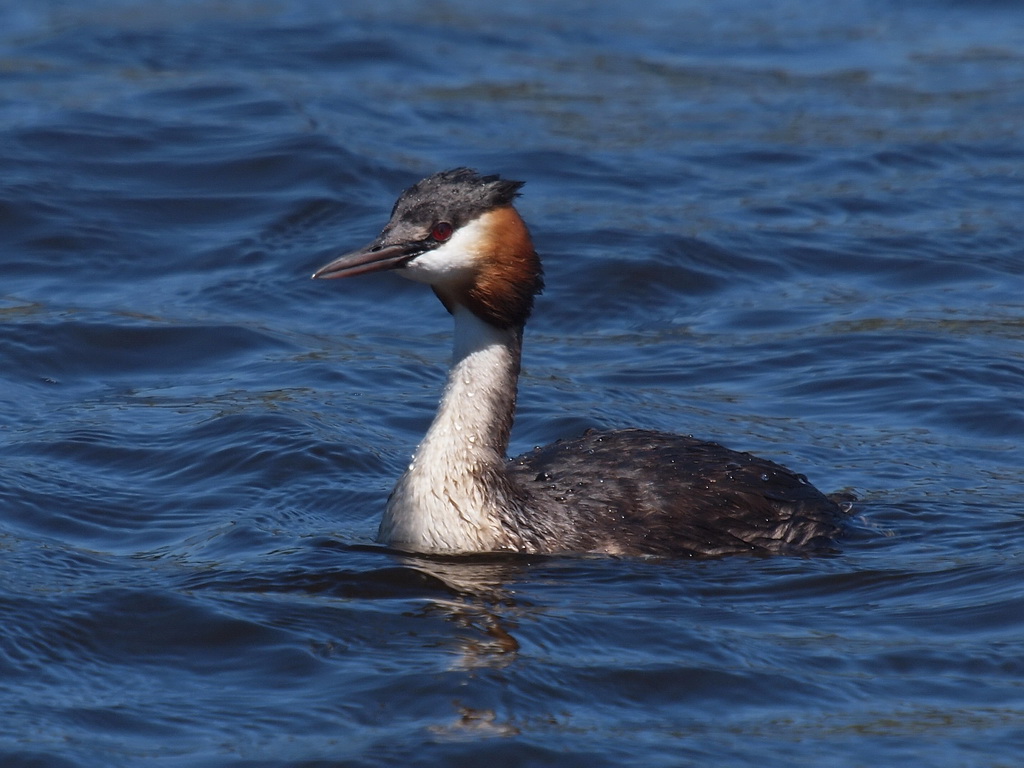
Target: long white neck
point(452, 496)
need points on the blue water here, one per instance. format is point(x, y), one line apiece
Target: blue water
point(792, 228)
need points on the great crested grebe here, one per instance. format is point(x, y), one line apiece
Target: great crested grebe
point(623, 492)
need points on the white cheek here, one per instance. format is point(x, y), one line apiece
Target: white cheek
point(452, 262)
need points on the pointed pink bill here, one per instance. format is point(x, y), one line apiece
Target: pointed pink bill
point(371, 258)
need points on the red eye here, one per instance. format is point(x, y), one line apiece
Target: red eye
point(441, 231)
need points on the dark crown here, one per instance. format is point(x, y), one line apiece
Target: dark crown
point(457, 196)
